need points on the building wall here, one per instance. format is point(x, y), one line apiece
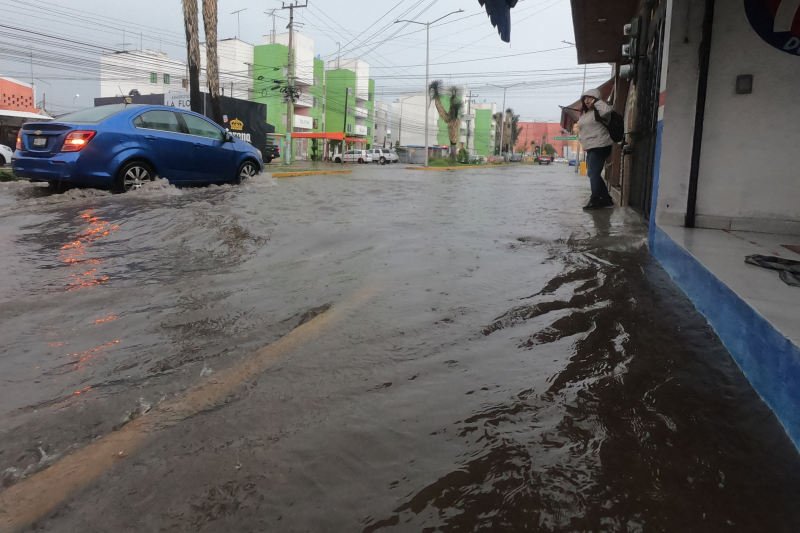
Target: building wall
point(235, 60)
point(317, 91)
point(537, 132)
point(741, 185)
point(267, 58)
point(338, 83)
point(303, 56)
point(408, 119)
point(121, 72)
point(484, 129)
point(16, 95)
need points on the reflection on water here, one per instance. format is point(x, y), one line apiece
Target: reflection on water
point(77, 253)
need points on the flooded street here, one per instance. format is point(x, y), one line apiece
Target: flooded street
point(391, 350)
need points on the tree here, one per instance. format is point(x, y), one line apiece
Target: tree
point(451, 115)
point(510, 128)
point(212, 64)
point(192, 54)
point(549, 149)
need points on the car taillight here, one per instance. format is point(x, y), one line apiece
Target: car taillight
point(76, 140)
point(19, 141)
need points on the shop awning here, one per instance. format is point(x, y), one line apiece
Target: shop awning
point(25, 115)
point(331, 135)
point(599, 28)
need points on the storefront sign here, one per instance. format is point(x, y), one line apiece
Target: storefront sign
point(777, 22)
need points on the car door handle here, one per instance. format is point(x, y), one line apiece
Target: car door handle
point(150, 137)
point(198, 145)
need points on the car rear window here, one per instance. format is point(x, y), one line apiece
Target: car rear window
point(92, 114)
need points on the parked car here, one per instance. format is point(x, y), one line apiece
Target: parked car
point(383, 156)
point(5, 154)
point(272, 151)
point(515, 158)
point(353, 156)
point(560, 160)
point(122, 146)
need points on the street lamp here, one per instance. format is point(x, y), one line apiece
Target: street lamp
point(503, 111)
point(400, 123)
point(427, 65)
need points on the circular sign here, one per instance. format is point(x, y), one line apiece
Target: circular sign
point(777, 22)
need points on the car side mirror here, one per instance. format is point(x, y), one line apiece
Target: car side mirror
point(228, 137)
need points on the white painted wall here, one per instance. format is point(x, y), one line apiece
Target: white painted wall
point(408, 120)
point(122, 72)
point(749, 168)
point(303, 55)
point(679, 79)
point(748, 171)
point(361, 68)
point(235, 71)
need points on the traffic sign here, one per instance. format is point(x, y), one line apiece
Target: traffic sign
point(569, 138)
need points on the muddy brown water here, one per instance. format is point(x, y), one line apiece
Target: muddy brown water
point(520, 365)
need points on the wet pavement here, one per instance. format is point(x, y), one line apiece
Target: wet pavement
point(390, 350)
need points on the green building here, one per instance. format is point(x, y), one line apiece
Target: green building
point(483, 142)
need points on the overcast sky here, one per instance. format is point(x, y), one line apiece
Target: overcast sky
point(464, 48)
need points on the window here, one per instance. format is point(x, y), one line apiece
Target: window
point(158, 120)
point(93, 114)
point(166, 79)
point(202, 128)
point(153, 77)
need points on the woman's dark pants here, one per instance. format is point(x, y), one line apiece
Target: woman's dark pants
point(595, 161)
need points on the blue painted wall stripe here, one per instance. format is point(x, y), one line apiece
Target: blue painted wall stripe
point(769, 360)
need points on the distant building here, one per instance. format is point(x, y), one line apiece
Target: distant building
point(484, 129)
point(534, 135)
point(144, 71)
point(17, 105)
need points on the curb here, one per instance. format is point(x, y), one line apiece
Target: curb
point(308, 173)
point(441, 169)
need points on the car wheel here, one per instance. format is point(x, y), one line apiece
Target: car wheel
point(2, 161)
point(247, 170)
point(337, 159)
point(360, 160)
point(57, 186)
point(268, 160)
point(383, 160)
point(133, 175)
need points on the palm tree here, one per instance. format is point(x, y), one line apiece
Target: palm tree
point(212, 64)
point(193, 54)
point(451, 115)
point(510, 129)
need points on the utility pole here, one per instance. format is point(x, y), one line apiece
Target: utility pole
point(469, 118)
point(503, 111)
point(427, 67)
point(290, 78)
point(338, 54)
point(344, 123)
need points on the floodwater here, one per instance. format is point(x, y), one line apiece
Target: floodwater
point(444, 352)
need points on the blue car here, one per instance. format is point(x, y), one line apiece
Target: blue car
point(123, 146)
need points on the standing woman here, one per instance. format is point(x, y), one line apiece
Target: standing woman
point(597, 143)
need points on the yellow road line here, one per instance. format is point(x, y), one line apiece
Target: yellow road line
point(293, 174)
point(40, 494)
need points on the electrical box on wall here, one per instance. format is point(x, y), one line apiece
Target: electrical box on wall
point(744, 84)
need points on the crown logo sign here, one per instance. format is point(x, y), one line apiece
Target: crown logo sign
point(237, 124)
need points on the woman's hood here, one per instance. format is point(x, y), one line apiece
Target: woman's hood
point(594, 93)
